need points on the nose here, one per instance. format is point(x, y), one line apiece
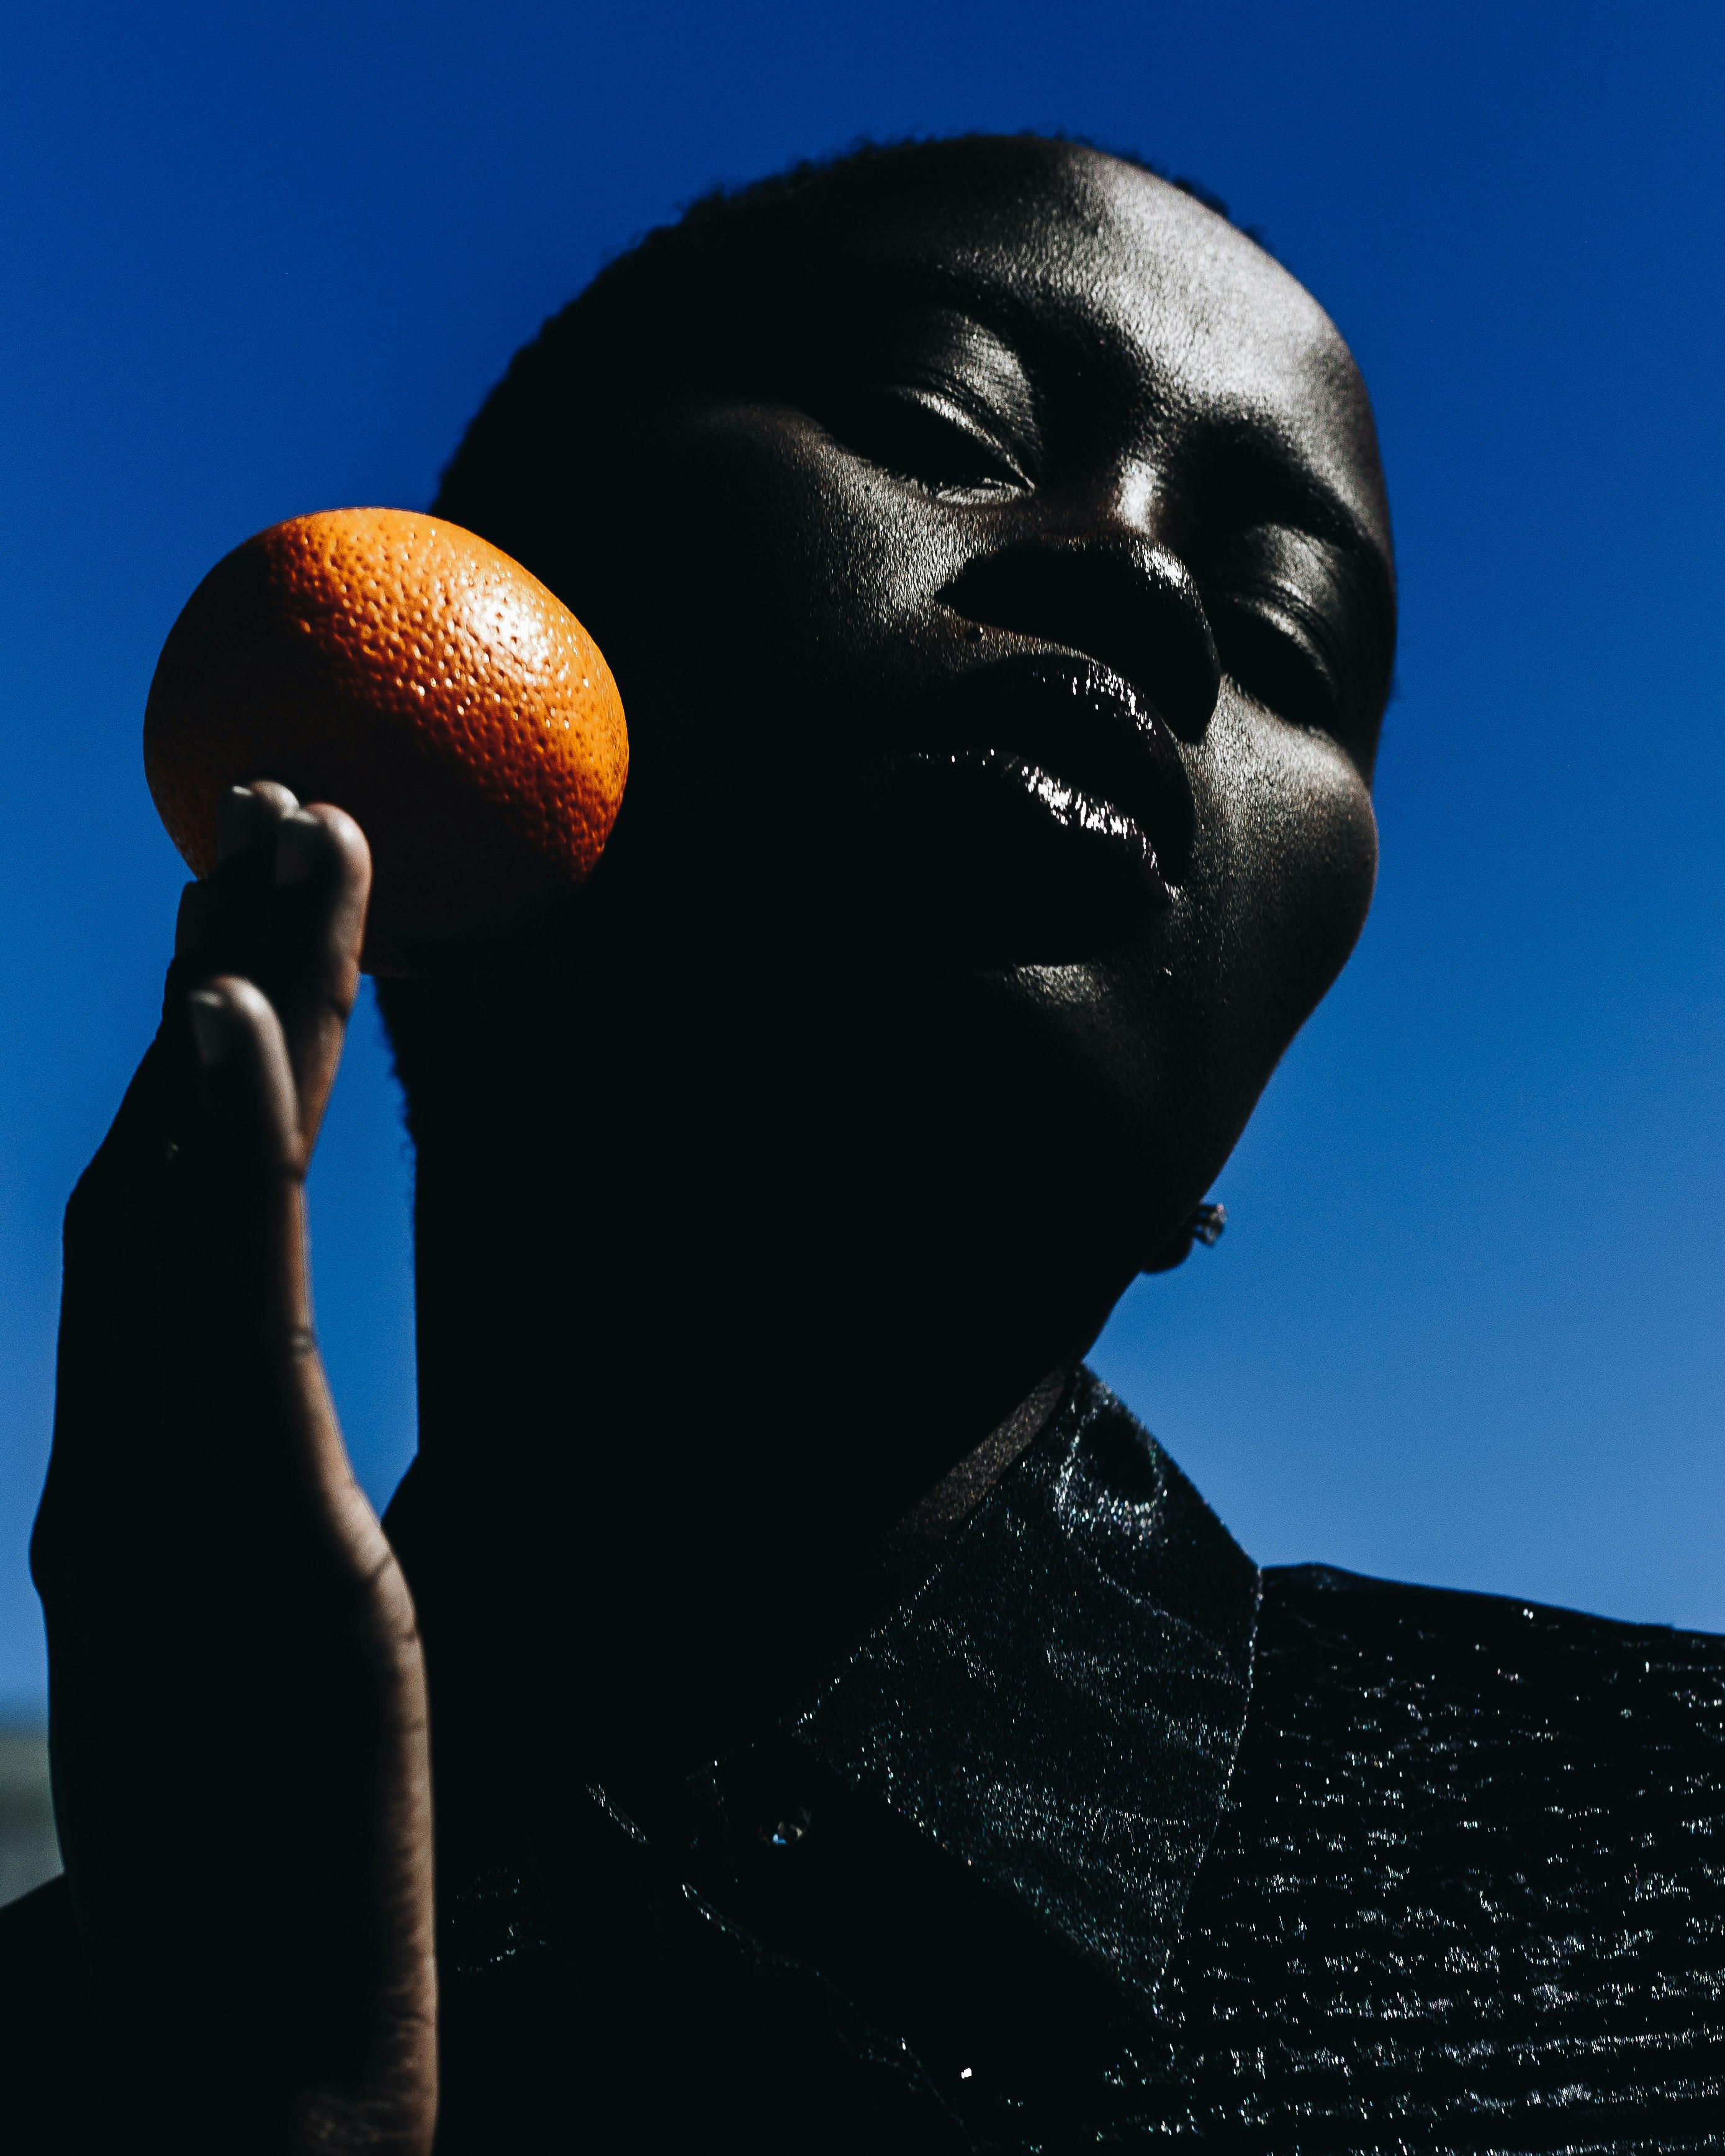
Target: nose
point(1119, 599)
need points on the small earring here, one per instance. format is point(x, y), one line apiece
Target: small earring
point(1203, 1224)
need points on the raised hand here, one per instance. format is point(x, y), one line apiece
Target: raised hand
point(236, 1691)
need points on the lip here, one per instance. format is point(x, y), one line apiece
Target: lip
point(1031, 809)
point(1072, 738)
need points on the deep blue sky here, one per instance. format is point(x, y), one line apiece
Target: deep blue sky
point(1466, 1325)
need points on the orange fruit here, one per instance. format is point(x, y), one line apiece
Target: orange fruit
point(414, 674)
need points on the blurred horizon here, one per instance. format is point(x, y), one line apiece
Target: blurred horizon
point(1465, 1326)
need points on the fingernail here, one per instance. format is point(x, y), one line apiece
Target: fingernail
point(192, 923)
point(297, 839)
point(211, 1025)
point(236, 822)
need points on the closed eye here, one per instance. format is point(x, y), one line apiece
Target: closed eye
point(924, 434)
point(1296, 627)
point(1279, 660)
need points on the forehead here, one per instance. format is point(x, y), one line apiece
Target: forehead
point(1146, 300)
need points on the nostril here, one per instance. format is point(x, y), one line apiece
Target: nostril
point(1129, 604)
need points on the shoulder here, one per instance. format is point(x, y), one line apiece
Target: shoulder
point(42, 2018)
point(1325, 1629)
point(1576, 1763)
point(1469, 1867)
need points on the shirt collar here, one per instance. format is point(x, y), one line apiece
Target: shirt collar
point(1060, 1704)
point(1044, 1722)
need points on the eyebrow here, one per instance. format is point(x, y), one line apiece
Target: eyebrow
point(915, 281)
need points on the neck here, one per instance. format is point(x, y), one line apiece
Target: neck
point(677, 1389)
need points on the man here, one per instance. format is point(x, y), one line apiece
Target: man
point(848, 1730)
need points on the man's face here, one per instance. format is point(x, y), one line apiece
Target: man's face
point(1016, 635)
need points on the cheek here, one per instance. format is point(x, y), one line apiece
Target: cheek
point(1152, 1059)
point(1281, 882)
point(1289, 865)
point(804, 577)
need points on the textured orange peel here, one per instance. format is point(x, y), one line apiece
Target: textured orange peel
point(413, 674)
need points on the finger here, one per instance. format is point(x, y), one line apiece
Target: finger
point(215, 932)
point(255, 1367)
point(248, 1124)
point(247, 820)
point(309, 959)
point(247, 1163)
point(247, 815)
point(195, 921)
point(251, 1361)
point(185, 1296)
point(285, 908)
point(207, 940)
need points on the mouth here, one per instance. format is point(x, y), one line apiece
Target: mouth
point(1043, 809)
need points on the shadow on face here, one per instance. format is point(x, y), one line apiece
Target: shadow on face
point(990, 542)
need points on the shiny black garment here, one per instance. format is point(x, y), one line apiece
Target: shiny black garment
point(1102, 1838)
